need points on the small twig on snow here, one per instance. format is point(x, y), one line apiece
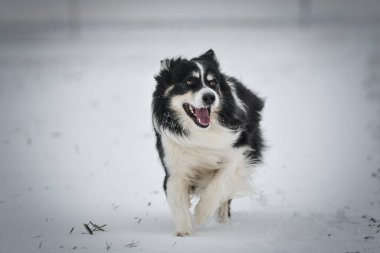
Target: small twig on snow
point(97, 227)
point(88, 229)
point(132, 244)
point(108, 245)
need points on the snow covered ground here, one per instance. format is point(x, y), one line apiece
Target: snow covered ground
point(76, 142)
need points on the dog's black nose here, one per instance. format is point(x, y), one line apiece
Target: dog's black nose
point(208, 98)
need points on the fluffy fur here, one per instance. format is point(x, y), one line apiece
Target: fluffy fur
point(208, 137)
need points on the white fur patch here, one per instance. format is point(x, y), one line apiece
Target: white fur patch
point(238, 101)
point(201, 70)
point(210, 77)
point(195, 74)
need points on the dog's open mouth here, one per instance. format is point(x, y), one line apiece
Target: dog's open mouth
point(200, 116)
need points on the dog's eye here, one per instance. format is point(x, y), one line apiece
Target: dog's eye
point(190, 80)
point(213, 82)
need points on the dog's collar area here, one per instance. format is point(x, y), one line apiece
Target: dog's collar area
point(200, 116)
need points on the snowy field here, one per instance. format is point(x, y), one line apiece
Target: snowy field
point(76, 142)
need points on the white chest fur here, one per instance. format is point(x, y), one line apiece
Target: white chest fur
point(204, 153)
point(203, 149)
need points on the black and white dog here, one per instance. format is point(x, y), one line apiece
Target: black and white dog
point(208, 137)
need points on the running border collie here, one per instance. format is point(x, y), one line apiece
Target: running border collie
point(208, 137)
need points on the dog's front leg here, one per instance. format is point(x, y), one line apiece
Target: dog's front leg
point(217, 192)
point(177, 194)
point(209, 201)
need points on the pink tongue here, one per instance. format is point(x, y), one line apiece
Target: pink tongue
point(202, 116)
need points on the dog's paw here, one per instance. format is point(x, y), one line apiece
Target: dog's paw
point(183, 233)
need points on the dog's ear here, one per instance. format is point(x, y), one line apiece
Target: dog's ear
point(165, 64)
point(165, 75)
point(209, 55)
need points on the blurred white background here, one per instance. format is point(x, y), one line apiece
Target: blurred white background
point(76, 142)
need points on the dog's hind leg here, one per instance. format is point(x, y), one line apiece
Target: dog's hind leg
point(177, 194)
point(224, 212)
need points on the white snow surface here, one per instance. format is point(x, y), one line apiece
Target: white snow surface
point(77, 145)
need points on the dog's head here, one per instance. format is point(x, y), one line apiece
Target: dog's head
point(188, 92)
